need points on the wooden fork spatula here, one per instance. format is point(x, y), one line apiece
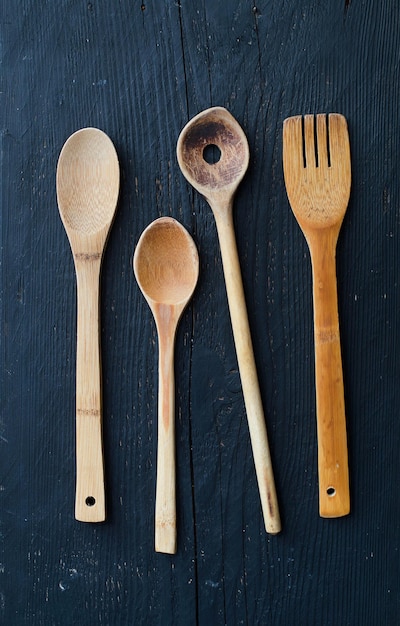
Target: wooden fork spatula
point(317, 171)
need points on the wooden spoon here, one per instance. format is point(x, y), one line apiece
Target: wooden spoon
point(87, 193)
point(317, 170)
point(218, 182)
point(166, 266)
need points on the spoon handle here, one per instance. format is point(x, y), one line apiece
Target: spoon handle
point(165, 513)
point(334, 497)
point(90, 497)
point(247, 368)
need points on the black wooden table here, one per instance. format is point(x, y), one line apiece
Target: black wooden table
point(140, 71)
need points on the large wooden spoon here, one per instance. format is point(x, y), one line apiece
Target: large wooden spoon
point(217, 182)
point(87, 193)
point(166, 266)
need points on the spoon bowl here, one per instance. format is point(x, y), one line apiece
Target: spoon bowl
point(87, 183)
point(214, 127)
point(217, 181)
point(166, 266)
point(87, 193)
point(166, 263)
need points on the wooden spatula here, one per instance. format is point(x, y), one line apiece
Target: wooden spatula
point(317, 171)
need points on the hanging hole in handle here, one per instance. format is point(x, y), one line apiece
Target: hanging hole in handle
point(90, 501)
point(211, 154)
point(331, 491)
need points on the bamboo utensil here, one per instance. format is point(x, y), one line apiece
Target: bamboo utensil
point(87, 193)
point(166, 266)
point(317, 173)
point(218, 182)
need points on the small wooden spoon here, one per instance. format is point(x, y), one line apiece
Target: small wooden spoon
point(218, 182)
point(166, 266)
point(87, 193)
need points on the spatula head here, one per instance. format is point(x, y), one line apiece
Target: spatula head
point(317, 169)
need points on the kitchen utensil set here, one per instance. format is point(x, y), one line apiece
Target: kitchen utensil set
point(317, 175)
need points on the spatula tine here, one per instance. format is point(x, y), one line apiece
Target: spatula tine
point(293, 142)
point(309, 140)
point(339, 145)
point(322, 141)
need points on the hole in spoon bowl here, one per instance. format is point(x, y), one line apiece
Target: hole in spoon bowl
point(211, 154)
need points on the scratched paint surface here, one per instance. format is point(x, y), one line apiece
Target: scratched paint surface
point(140, 71)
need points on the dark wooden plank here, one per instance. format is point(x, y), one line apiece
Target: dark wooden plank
point(140, 71)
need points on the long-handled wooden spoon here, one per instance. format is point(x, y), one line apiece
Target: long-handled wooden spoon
point(87, 193)
point(166, 266)
point(318, 178)
point(218, 182)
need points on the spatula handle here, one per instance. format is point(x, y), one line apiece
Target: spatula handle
point(334, 496)
point(90, 496)
point(247, 369)
point(165, 513)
